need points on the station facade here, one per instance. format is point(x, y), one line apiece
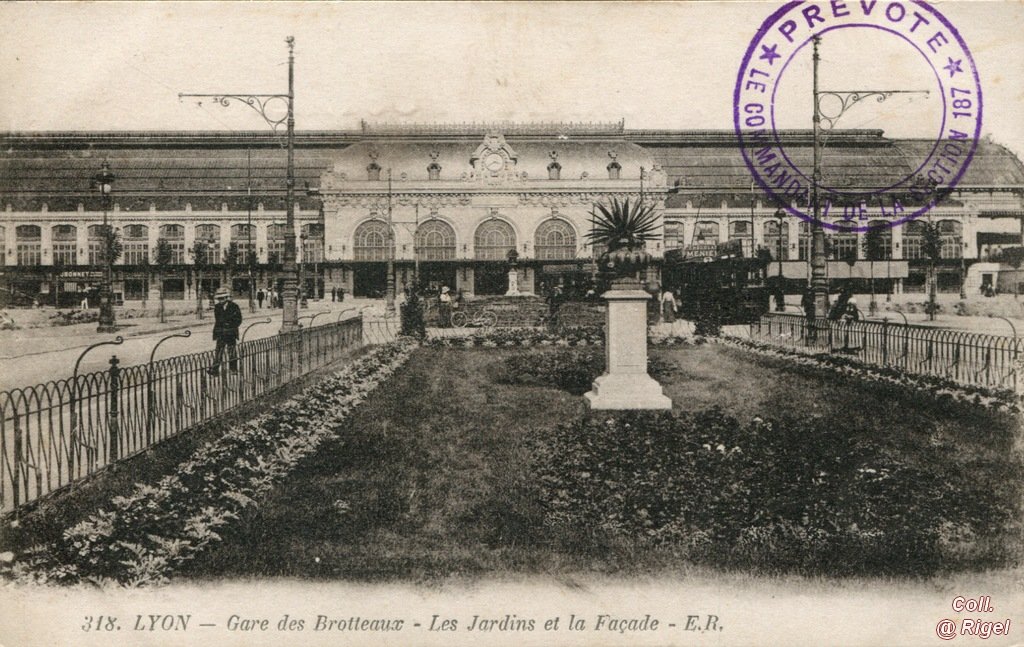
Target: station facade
point(458, 200)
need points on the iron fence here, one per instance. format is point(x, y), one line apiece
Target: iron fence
point(965, 357)
point(57, 433)
point(381, 331)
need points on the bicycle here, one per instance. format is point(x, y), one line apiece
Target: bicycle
point(485, 318)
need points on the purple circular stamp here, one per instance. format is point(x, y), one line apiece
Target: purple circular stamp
point(917, 37)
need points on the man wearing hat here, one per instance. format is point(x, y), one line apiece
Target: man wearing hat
point(227, 318)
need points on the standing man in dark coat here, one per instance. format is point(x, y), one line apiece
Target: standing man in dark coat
point(227, 318)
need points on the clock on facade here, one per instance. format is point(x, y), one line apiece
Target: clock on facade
point(494, 162)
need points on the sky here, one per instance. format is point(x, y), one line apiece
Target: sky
point(119, 66)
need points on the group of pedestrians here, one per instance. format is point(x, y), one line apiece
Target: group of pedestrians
point(270, 296)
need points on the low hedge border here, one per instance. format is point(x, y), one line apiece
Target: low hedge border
point(934, 386)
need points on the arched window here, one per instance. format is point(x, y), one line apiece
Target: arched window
point(555, 240)
point(493, 241)
point(64, 233)
point(210, 235)
point(28, 232)
point(172, 232)
point(776, 239)
point(136, 232)
point(951, 235)
point(312, 238)
point(554, 171)
point(614, 170)
point(29, 244)
point(706, 233)
point(373, 172)
point(879, 239)
point(241, 232)
point(435, 241)
point(434, 171)
point(371, 241)
point(65, 244)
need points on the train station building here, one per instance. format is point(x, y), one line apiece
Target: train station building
point(459, 198)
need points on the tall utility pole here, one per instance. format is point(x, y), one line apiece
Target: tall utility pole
point(389, 293)
point(819, 279)
point(259, 103)
point(846, 100)
point(248, 228)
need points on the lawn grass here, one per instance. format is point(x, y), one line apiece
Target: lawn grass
point(429, 479)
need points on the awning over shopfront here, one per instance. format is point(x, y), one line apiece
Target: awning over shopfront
point(843, 270)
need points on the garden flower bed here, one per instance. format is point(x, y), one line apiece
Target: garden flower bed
point(505, 337)
point(772, 496)
point(145, 536)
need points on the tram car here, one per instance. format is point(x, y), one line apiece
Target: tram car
point(720, 279)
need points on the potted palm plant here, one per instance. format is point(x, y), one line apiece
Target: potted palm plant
point(623, 228)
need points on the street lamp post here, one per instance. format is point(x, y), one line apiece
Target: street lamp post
point(302, 279)
point(104, 182)
point(260, 103)
point(248, 229)
point(389, 289)
point(780, 306)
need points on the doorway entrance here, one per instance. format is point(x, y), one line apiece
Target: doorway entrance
point(490, 278)
point(369, 280)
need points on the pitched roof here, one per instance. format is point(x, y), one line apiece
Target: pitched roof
point(208, 169)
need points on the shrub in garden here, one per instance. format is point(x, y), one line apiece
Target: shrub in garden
point(413, 322)
point(572, 369)
point(708, 322)
point(785, 496)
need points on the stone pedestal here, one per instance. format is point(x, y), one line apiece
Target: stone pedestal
point(625, 383)
point(513, 283)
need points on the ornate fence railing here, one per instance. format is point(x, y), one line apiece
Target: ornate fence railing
point(964, 357)
point(57, 433)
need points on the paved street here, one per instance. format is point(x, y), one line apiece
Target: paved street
point(36, 355)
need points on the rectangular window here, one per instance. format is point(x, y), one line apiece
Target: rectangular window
point(912, 247)
point(313, 251)
point(65, 254)
point(843, 246)
point(177, 253)
point(95, 252)
point(136, 253)
point(30, 254)
point(673, 235)
point(275, 251)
